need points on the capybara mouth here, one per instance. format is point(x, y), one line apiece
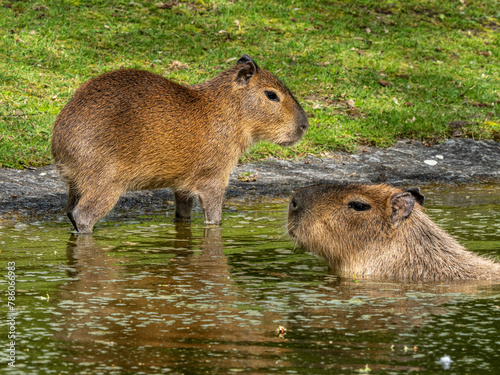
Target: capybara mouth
point(290, 140)
point(288, 143)
point(291, 227)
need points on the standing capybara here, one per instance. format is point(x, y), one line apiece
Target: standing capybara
point(135, 130)
point(380, 231)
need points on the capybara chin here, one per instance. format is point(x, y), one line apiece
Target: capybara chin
point(135, 130)
point(382, 232)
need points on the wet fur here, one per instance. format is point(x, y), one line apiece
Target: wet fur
point(372, 244)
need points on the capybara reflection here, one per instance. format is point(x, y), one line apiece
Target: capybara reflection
point(380, 231)
point(135, 130)
point(184, 300)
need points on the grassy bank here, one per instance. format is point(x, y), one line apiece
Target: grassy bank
point(367, 72)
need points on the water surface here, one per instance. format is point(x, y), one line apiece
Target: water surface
point(147, 296)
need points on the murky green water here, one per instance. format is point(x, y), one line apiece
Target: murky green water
point(147, 297)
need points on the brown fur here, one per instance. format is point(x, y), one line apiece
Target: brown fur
point(392, 239)
point(134, 130)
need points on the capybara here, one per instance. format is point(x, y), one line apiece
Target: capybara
point(380, 231)
point(135, 130)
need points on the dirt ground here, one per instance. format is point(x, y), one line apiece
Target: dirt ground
point(41, 194)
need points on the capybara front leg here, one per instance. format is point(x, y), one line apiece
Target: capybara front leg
point(183, 206)
point(211, 202)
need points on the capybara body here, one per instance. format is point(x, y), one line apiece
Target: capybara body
point(380, 231)
point(134, 130)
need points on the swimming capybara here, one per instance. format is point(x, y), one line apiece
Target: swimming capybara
point(380, 231)
point(135, 130)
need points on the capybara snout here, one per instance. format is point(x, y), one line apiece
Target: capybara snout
point(380, 231)
point(134, 130)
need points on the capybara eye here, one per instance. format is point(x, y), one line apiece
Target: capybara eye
point(359, 206)
point(271, 95)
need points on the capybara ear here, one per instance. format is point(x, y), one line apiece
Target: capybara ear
point(247, 70)
point(244, 59)
point(402, 205)
point(419, 197)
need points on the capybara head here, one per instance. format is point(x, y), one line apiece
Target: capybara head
point(379, 230)
point(349, 216)
point(266, 102)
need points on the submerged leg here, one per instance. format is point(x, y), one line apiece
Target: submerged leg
point(211, 202)
point(183, 206)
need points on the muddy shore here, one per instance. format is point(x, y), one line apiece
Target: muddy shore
point(40, 193)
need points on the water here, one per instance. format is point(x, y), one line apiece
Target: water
point(145, 296)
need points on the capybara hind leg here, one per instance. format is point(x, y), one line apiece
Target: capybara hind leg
point(73, 198)
point(183, 206)
point(93, 206)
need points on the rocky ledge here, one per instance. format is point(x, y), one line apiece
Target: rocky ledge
point(40, 193)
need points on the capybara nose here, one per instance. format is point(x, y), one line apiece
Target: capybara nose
point(304, 123)
point(294, 205)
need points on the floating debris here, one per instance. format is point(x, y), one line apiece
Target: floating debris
point(281, 331)
point(445, 361)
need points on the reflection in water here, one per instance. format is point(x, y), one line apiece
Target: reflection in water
point(190, 302)
point(191, 313)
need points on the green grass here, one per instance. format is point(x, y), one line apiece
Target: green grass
point(367, 72)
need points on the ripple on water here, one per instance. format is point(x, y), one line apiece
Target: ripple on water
point(151, 297)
